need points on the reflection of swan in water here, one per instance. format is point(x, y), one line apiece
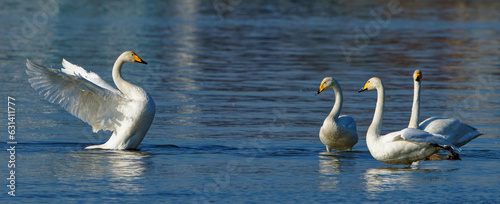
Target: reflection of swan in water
point(329, 167)
point(453, 130)
point(390, 179)
point(127, 167)
point(122, 171)
point(387, 179)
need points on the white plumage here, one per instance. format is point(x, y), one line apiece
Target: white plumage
point(453, 130)
point(127, 111)
point(337, 132)
point(401, 147)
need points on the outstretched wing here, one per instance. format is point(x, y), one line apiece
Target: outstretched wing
point(416, 135)
point(74, 70)
point(82, 93)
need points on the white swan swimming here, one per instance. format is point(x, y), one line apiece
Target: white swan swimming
point(453, 130)
point(401, 147)
point(337, 132)
point(128, 111)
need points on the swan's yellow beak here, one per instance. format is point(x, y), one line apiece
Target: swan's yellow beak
point(364, 88)
point(139, 60)
point(321, 88)
point(417, 75)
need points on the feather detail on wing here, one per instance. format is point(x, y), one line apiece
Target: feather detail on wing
point(82, 93)
point(416, 135)
point(77, 71)
point(453, 130)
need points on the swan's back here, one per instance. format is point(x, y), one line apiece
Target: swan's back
point(348, 123)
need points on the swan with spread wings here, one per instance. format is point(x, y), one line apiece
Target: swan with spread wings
point(127, 111)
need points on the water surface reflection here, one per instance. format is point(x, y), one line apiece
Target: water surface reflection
point(123, 171)
point(329, 169)
point(392, 178)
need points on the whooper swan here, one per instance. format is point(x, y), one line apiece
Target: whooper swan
point(453, 130)
point(127, 111)
point(401, 147)
point(337, 132)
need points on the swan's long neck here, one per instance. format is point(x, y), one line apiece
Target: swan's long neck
point(376, 127)
point(337, 107)
point(123, 86)
point(415, 110)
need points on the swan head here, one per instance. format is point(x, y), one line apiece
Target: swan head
point(130, 56)
point(328, 82)
point(417, 75)
point(371, 84)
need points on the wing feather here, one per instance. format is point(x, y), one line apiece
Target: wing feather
point(453, 130)
point(75, 70)
point(416, 135)
point(82, 93)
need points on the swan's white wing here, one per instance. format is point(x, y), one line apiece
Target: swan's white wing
point(74, 89)
point(348, 123)
point(416, 135)
point(77, 71)
point(453, 130)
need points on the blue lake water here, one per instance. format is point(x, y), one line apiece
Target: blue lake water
point(234, 82)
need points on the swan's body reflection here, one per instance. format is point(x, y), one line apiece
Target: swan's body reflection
point(122, 170)
point(390, 178)
point(127, 168)
point(387, 178)
point(329, 168)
